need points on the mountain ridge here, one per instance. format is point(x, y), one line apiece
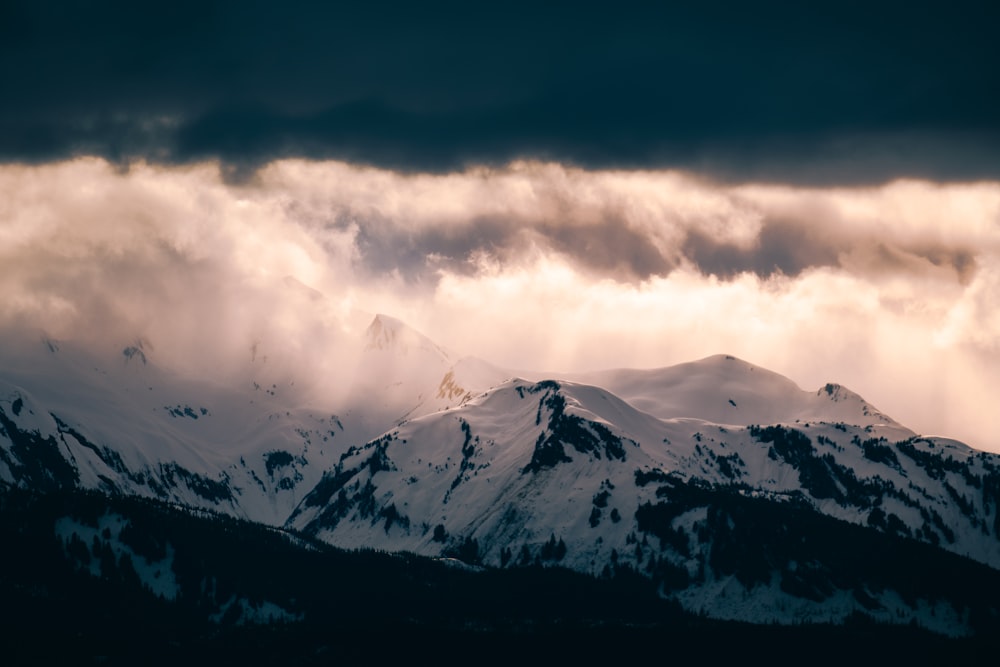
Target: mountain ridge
point(449, 456)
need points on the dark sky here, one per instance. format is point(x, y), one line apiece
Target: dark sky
point(838, 92)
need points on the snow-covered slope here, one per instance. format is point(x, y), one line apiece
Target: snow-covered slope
point(720, 481)
point(113, 420)
point(725, 390)
point(402, 374)
point(72, 418)
point(570, 473)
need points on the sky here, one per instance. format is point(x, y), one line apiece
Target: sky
point(813, 187)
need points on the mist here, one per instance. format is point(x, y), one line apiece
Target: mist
point(890, 290)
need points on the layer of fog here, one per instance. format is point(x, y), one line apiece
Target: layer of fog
point(891, 291)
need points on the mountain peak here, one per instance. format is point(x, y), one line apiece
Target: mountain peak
point(382, 331)
point(388, 333)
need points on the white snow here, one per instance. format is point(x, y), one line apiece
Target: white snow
point(269, 444)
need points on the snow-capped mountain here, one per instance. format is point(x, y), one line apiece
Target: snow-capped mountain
point(120, 424)
point(403, 374)
point(570, 473)
point(725, 390)
point(728, 487)
point(115, 421)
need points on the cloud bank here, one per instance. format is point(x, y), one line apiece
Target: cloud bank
point(888, 289)
point(822, 92)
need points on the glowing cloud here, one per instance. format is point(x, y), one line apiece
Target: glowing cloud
point(890, 290)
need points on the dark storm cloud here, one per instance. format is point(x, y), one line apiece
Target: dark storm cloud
point(635, 226)
point(785, 247)
point(385, 246)
point(790, 246)
point(612, 248)
point(838, 92)
point(609, 247)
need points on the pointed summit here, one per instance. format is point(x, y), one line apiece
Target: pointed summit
point(403, 374)
point(382, 332)
point(388, 333)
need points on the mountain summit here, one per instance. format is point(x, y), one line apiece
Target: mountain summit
point(725, 485)
point(726, 390)
point(403, 374)
point(390, 334)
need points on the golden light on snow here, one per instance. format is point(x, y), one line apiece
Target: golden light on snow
point(890, 290)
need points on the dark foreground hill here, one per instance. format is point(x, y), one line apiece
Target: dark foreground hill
point(158, 584)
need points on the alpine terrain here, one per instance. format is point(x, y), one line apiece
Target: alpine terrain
point(715, 489)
